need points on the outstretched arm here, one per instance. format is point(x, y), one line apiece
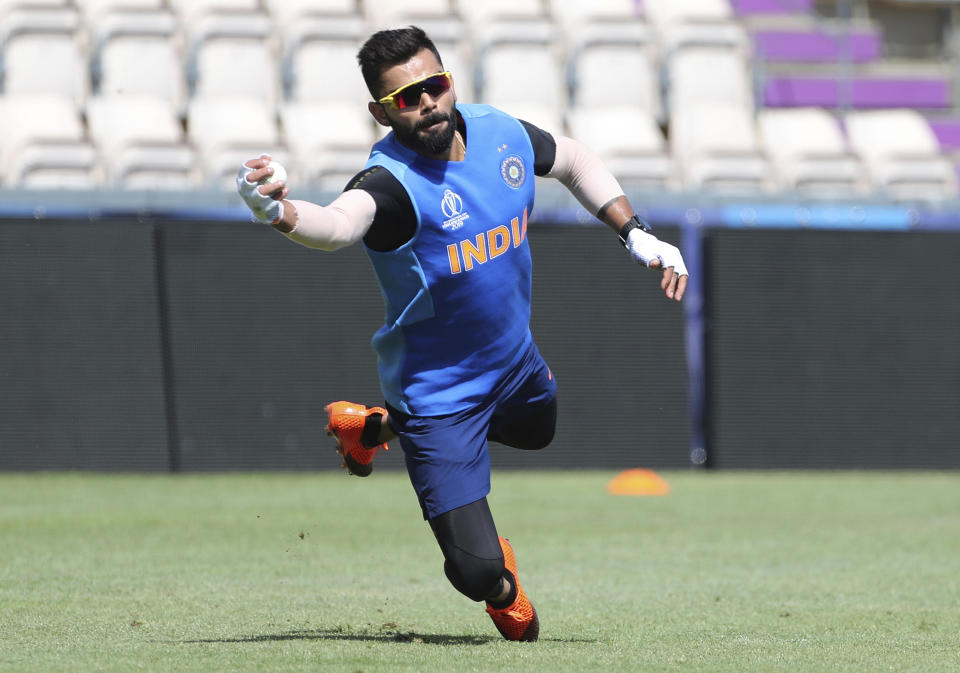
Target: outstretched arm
point(342, 223)
point(597, 190)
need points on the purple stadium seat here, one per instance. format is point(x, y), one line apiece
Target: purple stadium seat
point(817, 46)
point(864, 92)
point(747, 7)
point(947, 132)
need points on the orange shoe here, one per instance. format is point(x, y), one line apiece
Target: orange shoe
point(517, 621)
point(347, 421)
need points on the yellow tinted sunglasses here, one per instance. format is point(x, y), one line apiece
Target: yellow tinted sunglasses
point(409, 94)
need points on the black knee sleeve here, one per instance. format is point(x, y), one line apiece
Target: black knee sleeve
point(475, 578)
point(473, 559)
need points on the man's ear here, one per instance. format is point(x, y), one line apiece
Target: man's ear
point(377, 112)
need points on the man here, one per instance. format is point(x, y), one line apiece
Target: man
point(442, 208)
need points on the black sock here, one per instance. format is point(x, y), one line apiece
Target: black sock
point(371, 430)
point(511, 597)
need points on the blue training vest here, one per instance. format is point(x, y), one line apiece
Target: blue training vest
point(458, 294)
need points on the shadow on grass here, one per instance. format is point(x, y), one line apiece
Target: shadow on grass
point(381, 637)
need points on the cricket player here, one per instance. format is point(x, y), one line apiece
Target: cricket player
point(441, 209)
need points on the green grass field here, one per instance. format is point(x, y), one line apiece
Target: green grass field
point(738, 572)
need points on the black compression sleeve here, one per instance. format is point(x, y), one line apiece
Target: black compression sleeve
point(395, 221)
point(544, 148)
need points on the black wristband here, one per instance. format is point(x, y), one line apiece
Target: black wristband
point(633, 223)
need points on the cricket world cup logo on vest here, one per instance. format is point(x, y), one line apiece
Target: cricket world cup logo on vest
point(452, 206)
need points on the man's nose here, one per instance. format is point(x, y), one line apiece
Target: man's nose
point(427, 102)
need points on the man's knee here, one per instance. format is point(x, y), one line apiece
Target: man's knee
point(475, 578)
point(539, 439)
point(532, 432)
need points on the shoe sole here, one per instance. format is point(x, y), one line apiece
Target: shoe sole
point(353, 467)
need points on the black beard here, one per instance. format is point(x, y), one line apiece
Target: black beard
point(428, 143)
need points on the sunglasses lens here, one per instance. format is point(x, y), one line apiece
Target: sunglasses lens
point(434, 86)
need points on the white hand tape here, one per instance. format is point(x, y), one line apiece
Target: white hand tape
point(264, 208)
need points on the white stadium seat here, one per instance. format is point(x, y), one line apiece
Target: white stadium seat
point(519, 72)
point(808, 149)
point(44, 52)
point(708, 75)
point(615, 64)
point(329, 142)
point(284, 12)
point(43, 144)
point(228, 130)
point(479, 14)
point(234, 55)
point(692, 22)
point(901, 154)
point(575, 13)
point(391, 13)
point(193, 9)
point(12, 5)
point(630, 143)
point(142, 142)
point(94, 10)
point(139, 53)
point(718, 150)
point(665, 12)
point(320, 60)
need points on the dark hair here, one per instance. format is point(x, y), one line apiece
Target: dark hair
point(387, 48)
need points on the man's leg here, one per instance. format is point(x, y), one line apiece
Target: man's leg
point(525, 428)
point(473, 560)
point(527, 417)
point(482, 566)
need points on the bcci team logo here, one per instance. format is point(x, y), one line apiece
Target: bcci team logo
point(452, 206)
point(512, 171)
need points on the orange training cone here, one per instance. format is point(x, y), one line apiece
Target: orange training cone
point(638, 482)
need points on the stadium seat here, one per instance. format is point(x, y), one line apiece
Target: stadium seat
point(519, 71)
point(11, 5)
point(805, 39)
point(666, 12)
point(808, 149)
point(480, 14)
point(629, 142)
point(901, 154)
point(232, 54)
point(139, 53)
point(614, 63)
point(707, 75)
point(320, 59)
point(228, 130)
point(695, 22)
point(43, 144)
point(142, 143)
point(717, 148)
point(93, 10)
point(283, 12)
point(571, 14)
point(329, 142)
point(43, 52)
point(392, 13)
point(193, 9)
